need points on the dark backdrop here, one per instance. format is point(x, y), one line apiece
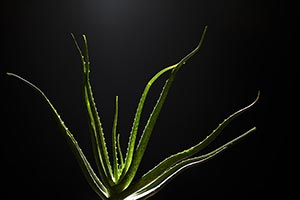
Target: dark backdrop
point(247, 48)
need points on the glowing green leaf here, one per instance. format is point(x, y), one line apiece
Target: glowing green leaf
point(114, 143)
point(161, 180)
point(97, 135)
point(173, 160)
point(138, 154)
point(86, 168)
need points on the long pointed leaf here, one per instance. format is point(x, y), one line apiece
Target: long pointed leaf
point(172, 160)
point(120, 154)
point(114, 143)
point(153, 117)
point(133, 134)
point(161, 180)
point(97, 136)
point(85, 166)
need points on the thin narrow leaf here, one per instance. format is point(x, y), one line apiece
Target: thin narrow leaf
point(172, 160)
point(155, 185)
point(133, 134)
point(120, 154)
point(92, 124)
point(85, 166)
point(153, 117)
point(97, 135)
point(114, 143)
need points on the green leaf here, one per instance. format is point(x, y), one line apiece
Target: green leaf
point(162, 179)
point(85, 166)
point(138, 154)
point(97, 135)
point(120, 155)
point(133, 134)
point(114, 143)
point(176, 158)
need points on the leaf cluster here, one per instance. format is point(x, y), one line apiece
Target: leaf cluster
point(115, 175)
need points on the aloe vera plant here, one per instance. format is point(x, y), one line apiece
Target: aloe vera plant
point(115, 178)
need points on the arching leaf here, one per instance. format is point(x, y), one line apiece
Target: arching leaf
point(85, 166)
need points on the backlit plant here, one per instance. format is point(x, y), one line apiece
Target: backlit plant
point(115, 178)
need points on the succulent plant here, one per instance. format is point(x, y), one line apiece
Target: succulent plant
point(115, 178)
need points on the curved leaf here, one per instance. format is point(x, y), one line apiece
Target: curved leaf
point(85, 166)
point(161, 180)
point(133, 134)
point(174, 159)
point(114, 142)
point(138, 154)
point(97, 135)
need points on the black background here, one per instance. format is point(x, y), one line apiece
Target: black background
point(248, 47)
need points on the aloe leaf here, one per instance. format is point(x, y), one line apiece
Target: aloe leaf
point(114, 143)
point(133, 134)
point(97, 135)
point(174, 159)
point(120, 154)
point(138, 154)
point(85, 166)
point(162, 179)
